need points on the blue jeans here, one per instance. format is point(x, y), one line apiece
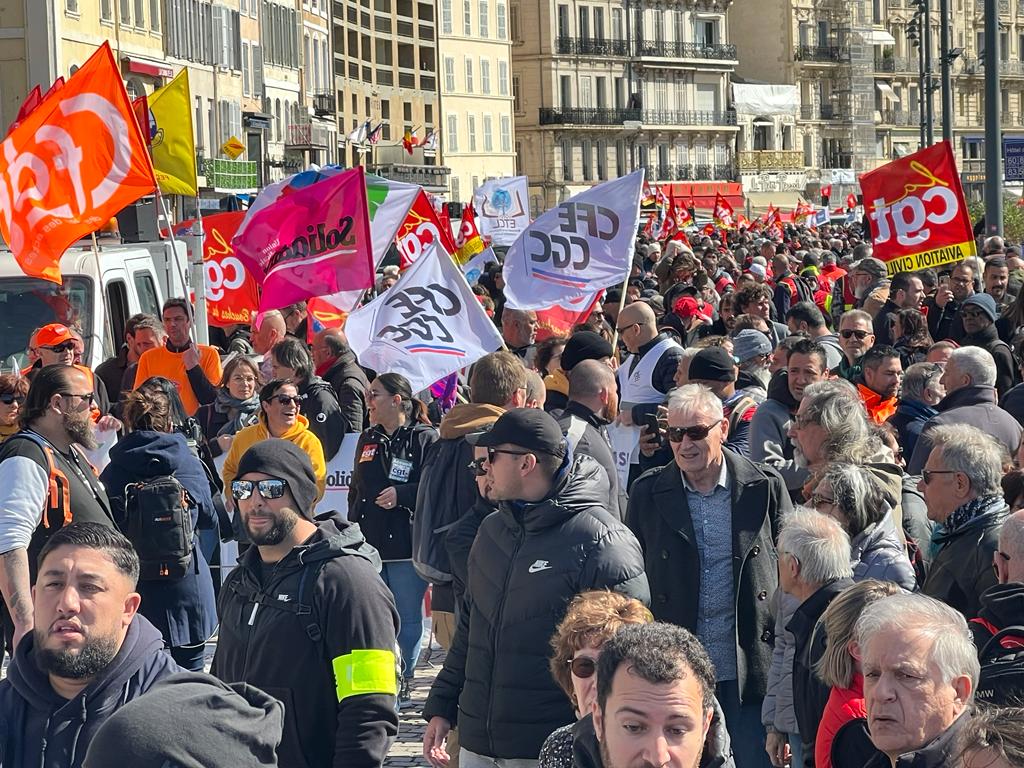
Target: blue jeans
point(408, 589)
point(744, 724)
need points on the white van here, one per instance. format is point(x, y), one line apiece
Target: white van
point(97, 296)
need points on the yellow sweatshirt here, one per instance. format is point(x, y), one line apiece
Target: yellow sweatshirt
point(299, 435)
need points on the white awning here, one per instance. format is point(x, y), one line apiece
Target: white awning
point(766, 100)
point(879, 37)
point(784, 200)
point(886, 90)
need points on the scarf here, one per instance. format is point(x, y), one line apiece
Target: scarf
point(6, 432)
point(971, 511)
point(241, 413)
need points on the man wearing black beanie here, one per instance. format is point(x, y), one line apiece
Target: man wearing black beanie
point(306, 617)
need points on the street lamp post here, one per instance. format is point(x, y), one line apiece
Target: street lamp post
point(993, 134)
point(914, 34)
point(945, 63)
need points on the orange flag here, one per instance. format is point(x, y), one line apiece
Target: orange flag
point(76, 160)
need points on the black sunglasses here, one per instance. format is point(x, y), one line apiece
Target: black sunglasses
point(476, 466)
point(492, 452)
point(582, 666)
point(67, 346)
point(10, 397)
point(269, 489)
point(926, 474)
point(848, 332)
point(287, 399)
point(88, 396)
point(676, 434)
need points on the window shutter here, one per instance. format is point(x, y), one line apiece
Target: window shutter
point(257, 71)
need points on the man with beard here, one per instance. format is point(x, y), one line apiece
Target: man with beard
point(45, 482)
point(306, 617)
point(89, 654)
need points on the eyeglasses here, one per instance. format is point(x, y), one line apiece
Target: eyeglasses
point(582, 666)
point(67, 346)
point(820, 501)
point(625, 328)
point(476, 466)
point(492, 452)
point(848, 332)
point(269, 489)
point(927, 474)
point(676, 434)
point(88, 396)
point(10, 397)
point(287, 399)
point(1003, 556)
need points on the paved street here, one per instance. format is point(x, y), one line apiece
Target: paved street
point(408, 748)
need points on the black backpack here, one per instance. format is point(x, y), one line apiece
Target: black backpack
point(1002, 670)
point(158, 523)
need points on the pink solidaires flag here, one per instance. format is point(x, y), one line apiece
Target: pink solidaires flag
point(311, 241)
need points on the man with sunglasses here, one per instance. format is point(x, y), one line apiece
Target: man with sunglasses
point(551, 538)
point(1002, 605)
point(306, 617)
point(979, 314)
point(710, 515)
point(45, 482)
point(856, 337)
point(57, 344)
point(960, 483)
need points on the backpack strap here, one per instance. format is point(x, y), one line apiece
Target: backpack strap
point(994, 643)
point(58, 489)
point(574, 434)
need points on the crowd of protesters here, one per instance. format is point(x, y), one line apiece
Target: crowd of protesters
point(762, 505)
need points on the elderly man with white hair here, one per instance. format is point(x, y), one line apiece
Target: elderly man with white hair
point(961, 486)
point(969, 380)
point(920, 674)
point(707, 524)
point(1002, 605)
point(814, 567)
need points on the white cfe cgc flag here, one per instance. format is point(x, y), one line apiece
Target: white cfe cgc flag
point(577, 248)
point(426, 326)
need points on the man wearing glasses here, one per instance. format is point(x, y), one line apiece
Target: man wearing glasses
point(551, 538)
point(961, 487)
point(45, 482)
point(978, 315)
point(856, 337)
point(306, 617)
point(707, 524)
point(1002, 605)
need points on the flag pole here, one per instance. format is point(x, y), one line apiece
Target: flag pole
point(174, 249)
point(622, 303)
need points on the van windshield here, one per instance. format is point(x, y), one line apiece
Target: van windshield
point(26, 303)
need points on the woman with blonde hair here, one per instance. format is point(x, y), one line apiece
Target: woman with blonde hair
point(843, 738)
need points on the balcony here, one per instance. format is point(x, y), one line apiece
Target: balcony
point(837, 160)
point(229, 175)
point(901, 117)
point(672, 49)
point(827, 54)
point(307, 136)
point(691, 173)
point(432, 176)
point(1011, 68)
point(761, 160)
point(587, 116)
point(586, 46)
point(323, 104)
point(822, 112)
point(1010, 119)
point(896, 64)
point(674, 117)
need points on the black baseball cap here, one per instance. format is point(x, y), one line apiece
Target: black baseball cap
point(712, 364)
point(528, 428)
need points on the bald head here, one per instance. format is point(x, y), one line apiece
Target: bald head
point(589, 378)
point(328, 345)
point(1011, 543)
point(637, 324)
point(271, 331)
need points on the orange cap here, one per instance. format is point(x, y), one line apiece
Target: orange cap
point(51, 335)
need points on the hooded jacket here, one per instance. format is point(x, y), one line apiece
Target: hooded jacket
point(300, 434)
point(185, 609)
point(527, 563)
point(909, 420)
point(446, 492)
point(1002, 606)
point(777, 712)
point(324, 414)
point(305, 653)
point(769, 433)
point(877, 553)
point(40, 729)
point(350, 384)
point(593, 442)
point(974, 405)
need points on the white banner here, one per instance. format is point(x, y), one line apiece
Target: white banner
point(502, 209)
point(426, 326)
point(820, 218)
point(625, 441)
point(339, 477)
point(473, 268)
point(581, 246)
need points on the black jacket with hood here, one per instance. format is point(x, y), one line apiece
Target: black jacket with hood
point(40, 729)
point(350, 384)
point(324, 414)
point(1002, 606)
point(272, 638)
point(527, 563)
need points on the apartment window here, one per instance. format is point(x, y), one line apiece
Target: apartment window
point(513, 22)
point(1004, 46)
point(199, 123)
point(126, 11)
point(659, 26)
point(154, 15)
point(467, 18)
point(471, 131)
point(140, 13)
point(503, 78)
point(71, 6)
point(599, 23)
point(449, 74)
point(601, 86)
point(245, 68)
point(586, 91)
point(488, 137)
point(307, 74)
point(453, 133)
point(106, 9)
point(617, 33)
point(501, 20)
point(517, 102)
point(707, 32)
point(620, 158)
point(587, 151)
point(566, 160)
point(563, 21)
point(484, 13)
point(469, 75)
point(485, 76)
point(316, 67)
point(506, 133)
point(565, 81)
point(602, 161)
point(446, 17)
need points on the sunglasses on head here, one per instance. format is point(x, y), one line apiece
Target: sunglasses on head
point(476, 466)
point(848, 332)
point(676, 434)
point(10, 397)
point(269, 489)
point(287, 399)
point(67, 346)
point(582, 666)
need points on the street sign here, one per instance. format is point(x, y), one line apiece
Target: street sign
point(1013, 159)
point(232, 147)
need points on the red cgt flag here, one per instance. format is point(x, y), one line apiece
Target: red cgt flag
point(72, 163)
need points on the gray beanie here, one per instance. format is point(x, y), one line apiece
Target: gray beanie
point(191, 720)
point(286, 461)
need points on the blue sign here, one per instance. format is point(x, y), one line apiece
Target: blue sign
point(1013, 159)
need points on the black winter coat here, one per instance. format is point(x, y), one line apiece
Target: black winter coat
point(270, 637)
point(594, 443)
point(1006, 367)
point(660, 517)
point(940, 752)
point(324, 414)
point(962, 569)
point(350, 384)
point(1002, 606)
point(527, 563)
point(383, 461)
point(459, 542)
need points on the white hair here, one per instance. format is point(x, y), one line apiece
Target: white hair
point(975, 363)
point(696, 398)
point(953, 649)
point(968, 450)
point(819, 543)
point(1011, 535)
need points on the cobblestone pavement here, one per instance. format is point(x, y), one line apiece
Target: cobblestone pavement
point(408, 747)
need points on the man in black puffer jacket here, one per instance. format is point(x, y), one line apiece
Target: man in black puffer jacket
point(551, 539)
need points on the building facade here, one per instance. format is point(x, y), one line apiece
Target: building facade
point(608, 87)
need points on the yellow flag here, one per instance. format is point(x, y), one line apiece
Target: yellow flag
point(174, 150)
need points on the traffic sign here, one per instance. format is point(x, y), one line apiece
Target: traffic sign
point(232, 148)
